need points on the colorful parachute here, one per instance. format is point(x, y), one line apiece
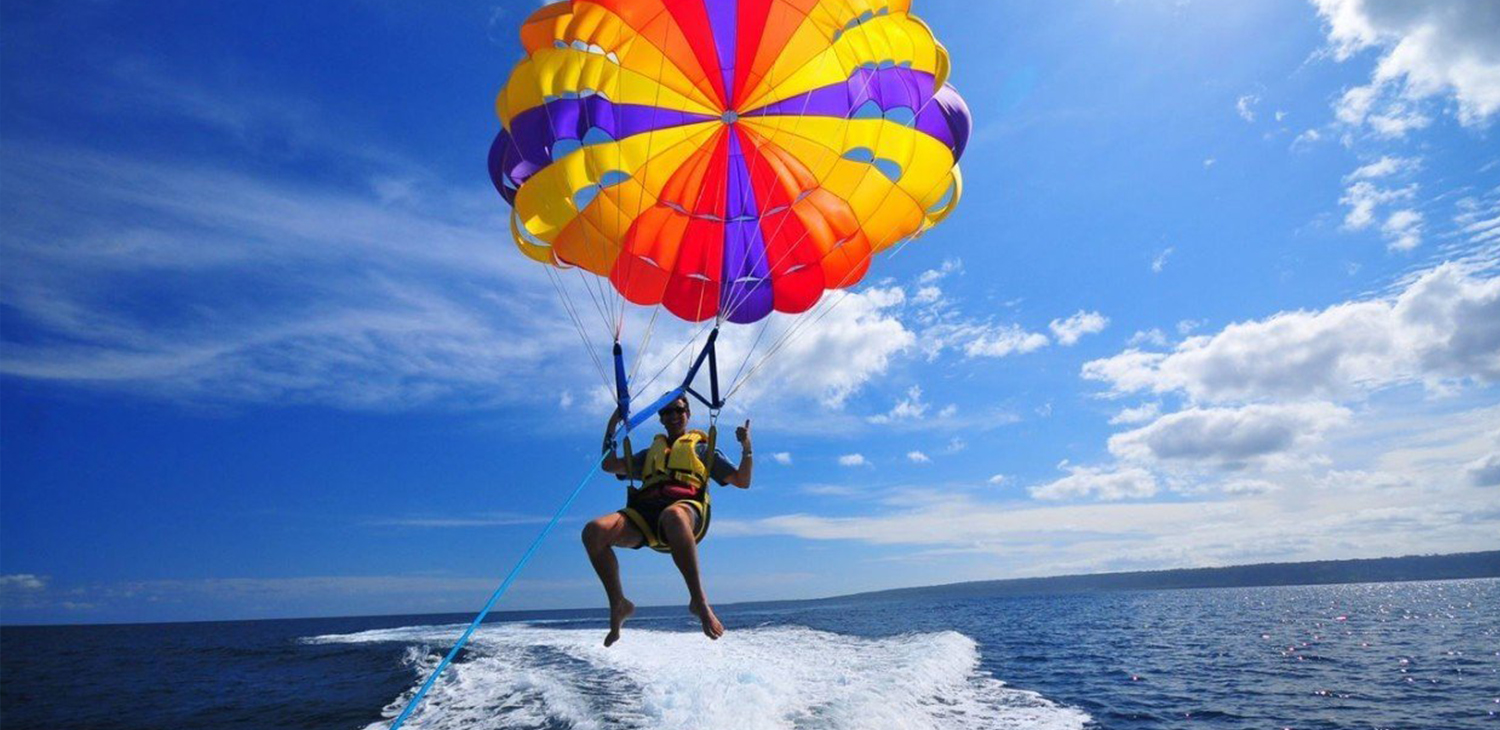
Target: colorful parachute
point(726, 159)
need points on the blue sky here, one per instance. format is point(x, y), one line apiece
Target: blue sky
point(1223, 289)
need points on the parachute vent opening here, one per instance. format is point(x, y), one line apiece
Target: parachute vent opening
point(585, 47)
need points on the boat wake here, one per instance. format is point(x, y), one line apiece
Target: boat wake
point(526, 676)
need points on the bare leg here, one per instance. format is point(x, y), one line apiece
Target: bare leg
point(677, 528)
point(600, 538)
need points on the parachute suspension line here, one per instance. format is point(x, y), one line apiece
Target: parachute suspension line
point(640, 355)
point(510, 578)
point(765, 324)
point(577, 324)
point(693, 340)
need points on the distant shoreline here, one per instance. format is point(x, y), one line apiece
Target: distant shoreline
point(1456, 566)
point(1410, 568)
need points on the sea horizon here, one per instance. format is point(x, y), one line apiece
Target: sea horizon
point(898, 593)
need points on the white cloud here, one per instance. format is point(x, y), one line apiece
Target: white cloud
point(1306, 138)
point(1229, 437)
point(1107, 483)
point(1068, 331)
point(1432, 48)
point(860, 330)
point(998, 480)
point(918, 457)
point(980, 340)
point(300, 295)
point(955, 445)
point(1384, 167)
point(908, 408)
point(853, 460)
point(949, 266)
point(1444, 326)
point(1403, 230)
point(782, 457)
point(1148, 337)
point(1392, 492)
point(1245, 106)
point(1160, 261)
point(1362, 198)
point(927, 295)
point(1186, 326)
point(1138, 414)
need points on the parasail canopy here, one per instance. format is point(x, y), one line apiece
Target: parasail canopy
point(726, 159)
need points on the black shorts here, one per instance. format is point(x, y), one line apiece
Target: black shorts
point(645, 513)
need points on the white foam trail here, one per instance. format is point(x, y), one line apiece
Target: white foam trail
point(519, 676)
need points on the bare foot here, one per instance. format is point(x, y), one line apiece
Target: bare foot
point(711, 626)
point(617, 614)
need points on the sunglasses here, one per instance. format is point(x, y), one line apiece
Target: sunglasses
point(672, 412)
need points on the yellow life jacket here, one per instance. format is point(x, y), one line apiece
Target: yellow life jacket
point(678, 462)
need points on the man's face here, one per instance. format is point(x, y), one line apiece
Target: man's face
point(674, 417)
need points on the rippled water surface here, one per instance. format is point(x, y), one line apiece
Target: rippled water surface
point(1389, 655)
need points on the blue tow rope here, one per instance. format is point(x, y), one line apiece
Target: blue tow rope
point(504, 585)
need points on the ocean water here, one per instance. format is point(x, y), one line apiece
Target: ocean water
point(1386, 655)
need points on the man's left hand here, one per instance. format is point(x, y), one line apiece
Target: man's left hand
point(742, 434)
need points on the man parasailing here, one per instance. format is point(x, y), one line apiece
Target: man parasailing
point(670, 511)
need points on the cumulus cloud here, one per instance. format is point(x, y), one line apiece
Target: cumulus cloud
point(1229, 437)
point(1403, 230)
point(860, 331)
point(853, 460)
point(1105, 483)
point(917, 457)
point(1068, 331)
point(1427, 49)
point(782, 457)
point(1138, 414)
point(908, 408)
point(1363, 198)
point(1444, 326)
point(1148, 337)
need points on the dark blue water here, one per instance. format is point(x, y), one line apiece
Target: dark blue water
point(1392, 655)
